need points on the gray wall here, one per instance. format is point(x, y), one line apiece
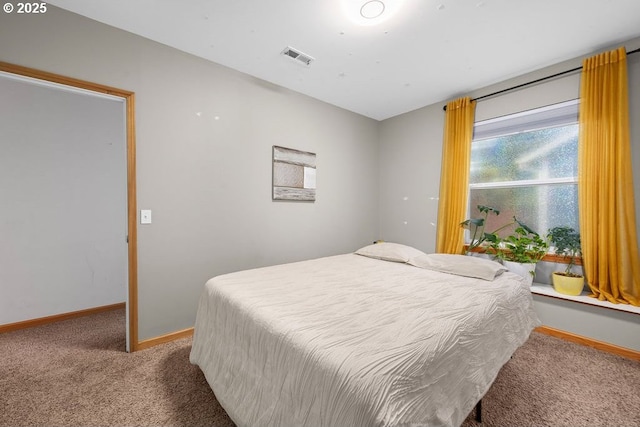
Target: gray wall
point(410, 153)
point(616, 327)
point(410, 156)
point(63, 215)
point(208, 181)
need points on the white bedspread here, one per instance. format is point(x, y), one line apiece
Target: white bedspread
point(351, 341)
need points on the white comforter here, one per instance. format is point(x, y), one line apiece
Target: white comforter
point(351, 341)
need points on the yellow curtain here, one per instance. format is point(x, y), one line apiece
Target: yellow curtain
point(454, 178)
point(605, 191)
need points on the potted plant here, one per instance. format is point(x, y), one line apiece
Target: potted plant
point(476, 228)
point(566, 241)
point(521, 250)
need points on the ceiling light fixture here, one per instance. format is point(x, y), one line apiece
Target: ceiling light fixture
point(370, 12)
point(372, 9)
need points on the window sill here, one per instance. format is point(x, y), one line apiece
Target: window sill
point(547, 290)
point(549, 257)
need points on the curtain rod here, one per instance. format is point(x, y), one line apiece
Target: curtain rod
point(534, 81)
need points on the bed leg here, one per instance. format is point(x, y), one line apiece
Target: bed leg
point(479, 411)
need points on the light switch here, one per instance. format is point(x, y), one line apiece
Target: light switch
point(145, 216)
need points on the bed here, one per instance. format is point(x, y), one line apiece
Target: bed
point(385, 336)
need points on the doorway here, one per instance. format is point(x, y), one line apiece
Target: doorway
point(68, 173)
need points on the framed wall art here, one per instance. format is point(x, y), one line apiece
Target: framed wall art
point(294, 174)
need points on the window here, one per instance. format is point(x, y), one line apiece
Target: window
point(525, 165)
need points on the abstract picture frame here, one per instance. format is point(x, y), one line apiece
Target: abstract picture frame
point(294, 174)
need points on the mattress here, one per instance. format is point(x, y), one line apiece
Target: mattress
point(353, 341)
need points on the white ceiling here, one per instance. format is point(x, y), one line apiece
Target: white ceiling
point(428, 51)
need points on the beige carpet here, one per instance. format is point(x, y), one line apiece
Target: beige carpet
point(75, 373)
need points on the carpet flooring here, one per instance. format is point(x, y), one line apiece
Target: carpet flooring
point(76, 373)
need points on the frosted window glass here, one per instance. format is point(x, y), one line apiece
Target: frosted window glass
point(541, 154)
point(541, 207)
point(528, 171)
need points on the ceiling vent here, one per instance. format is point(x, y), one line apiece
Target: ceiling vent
point(297, 56)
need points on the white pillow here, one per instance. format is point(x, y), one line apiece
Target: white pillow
point(390, 252)
point(461, 265)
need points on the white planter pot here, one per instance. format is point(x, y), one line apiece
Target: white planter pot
point(524, 270)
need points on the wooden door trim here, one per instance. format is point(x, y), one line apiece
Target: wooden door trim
point(129, 98)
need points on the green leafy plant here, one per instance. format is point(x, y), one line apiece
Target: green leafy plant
point(524, 245)
point(567, 243)
point(476, 227)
